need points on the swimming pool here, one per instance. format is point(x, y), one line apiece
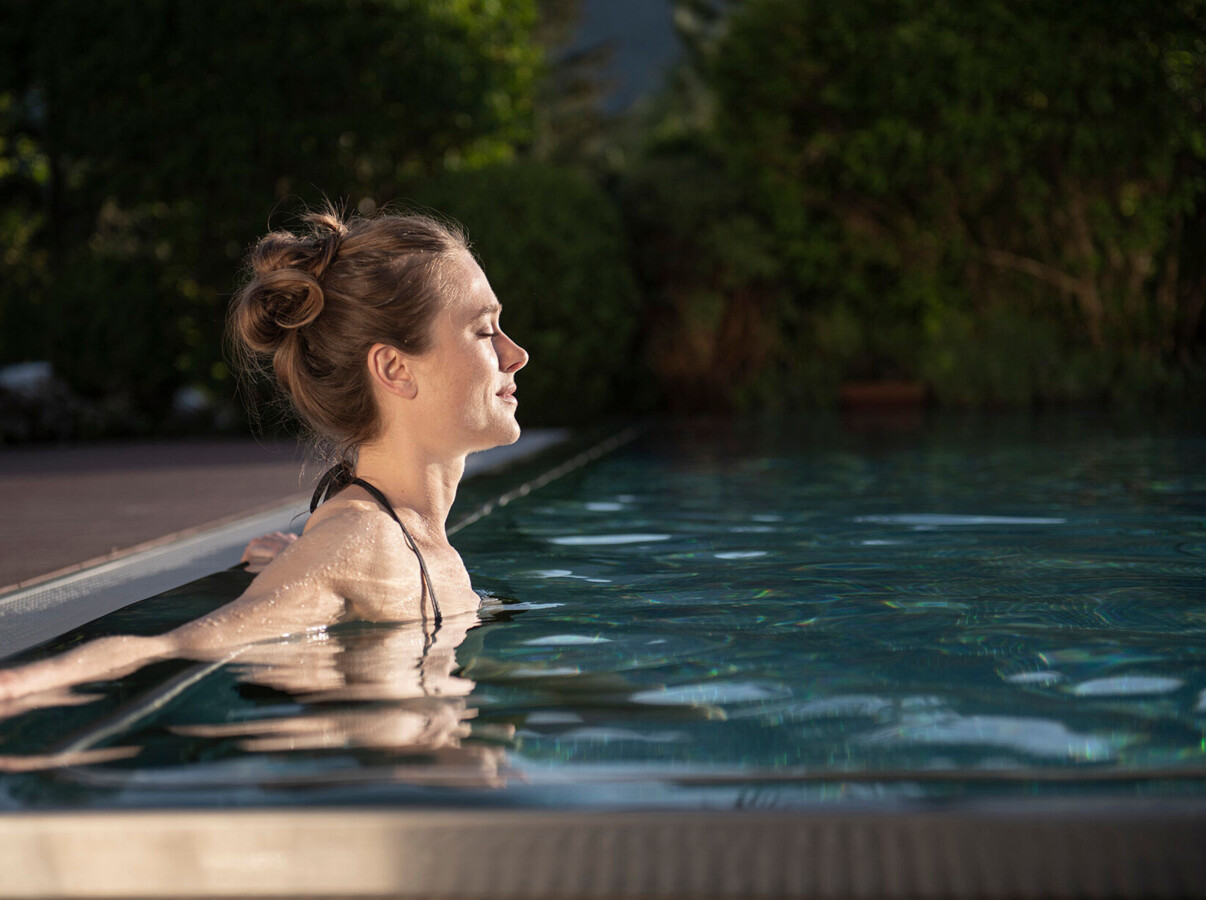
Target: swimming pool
point(722, 616)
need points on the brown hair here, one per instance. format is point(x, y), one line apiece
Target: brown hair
point(315, 302)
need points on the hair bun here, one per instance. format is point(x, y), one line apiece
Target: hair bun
point(327, 231)
point(284, 293)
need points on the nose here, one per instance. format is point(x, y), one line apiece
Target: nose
point(514, 357)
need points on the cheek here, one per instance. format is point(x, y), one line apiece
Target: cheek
point(471, 371)
point(485, 359)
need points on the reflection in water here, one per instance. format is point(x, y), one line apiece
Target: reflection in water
point(392, 689)
point(1036, 737)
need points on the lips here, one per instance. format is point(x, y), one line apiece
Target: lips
point(508, 394)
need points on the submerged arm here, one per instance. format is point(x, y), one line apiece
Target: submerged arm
point(255, 616)
point(310, 585)
point(109, 657)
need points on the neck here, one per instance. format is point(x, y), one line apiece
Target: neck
point(413, 480)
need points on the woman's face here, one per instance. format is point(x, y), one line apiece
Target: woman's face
point(467, 379)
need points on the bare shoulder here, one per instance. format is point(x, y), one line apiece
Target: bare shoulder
point(359, 550)
point(350, 521)
point(306, 586)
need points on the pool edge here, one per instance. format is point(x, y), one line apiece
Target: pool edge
point(492, 853)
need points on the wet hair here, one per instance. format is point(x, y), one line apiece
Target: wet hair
point(315, 301)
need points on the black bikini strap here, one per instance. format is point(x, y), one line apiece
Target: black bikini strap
point(334, 480)
point(428, 587)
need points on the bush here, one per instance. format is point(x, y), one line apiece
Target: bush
point(987, 156)
point(552, 245)
point(717, 320)
point(113, 334)
point(1005, 199)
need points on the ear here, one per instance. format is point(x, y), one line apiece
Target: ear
point(390, 369)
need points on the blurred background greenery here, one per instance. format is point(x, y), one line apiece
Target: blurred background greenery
point(1000, 202)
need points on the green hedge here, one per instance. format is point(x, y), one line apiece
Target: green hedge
point(1004, 199)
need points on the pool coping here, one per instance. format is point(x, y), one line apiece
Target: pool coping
point(357, 852)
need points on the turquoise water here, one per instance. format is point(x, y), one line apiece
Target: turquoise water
point(725, 615)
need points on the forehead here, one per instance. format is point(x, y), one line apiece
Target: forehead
point(470, 294)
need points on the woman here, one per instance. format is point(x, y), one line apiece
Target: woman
point(384, 334)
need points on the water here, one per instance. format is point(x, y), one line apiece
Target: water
point(724, 616)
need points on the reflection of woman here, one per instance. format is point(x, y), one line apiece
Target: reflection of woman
point(375, 688)
point(384, 334)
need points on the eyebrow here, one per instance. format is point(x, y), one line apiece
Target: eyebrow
point(488, 309)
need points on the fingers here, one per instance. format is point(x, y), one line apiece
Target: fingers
point(267, 547)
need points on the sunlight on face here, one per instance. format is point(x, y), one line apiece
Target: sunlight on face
point(467, 380)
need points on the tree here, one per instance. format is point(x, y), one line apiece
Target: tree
point(926, 160)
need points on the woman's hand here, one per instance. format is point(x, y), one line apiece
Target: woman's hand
point(265, 549)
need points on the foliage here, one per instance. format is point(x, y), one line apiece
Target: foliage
point(24, 173)
point(552, 245)
point(938, 178)
point(1003, 199)
point(709, 268)
point(570, 128)
point(165, 133)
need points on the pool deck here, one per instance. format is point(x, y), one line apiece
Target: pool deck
point(66, 507)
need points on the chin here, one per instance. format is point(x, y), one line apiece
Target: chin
point(512, 434)
point(502, 434)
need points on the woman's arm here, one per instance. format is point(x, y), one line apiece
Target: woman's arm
point(266, 610)
point(312, 584)
point(109, 657)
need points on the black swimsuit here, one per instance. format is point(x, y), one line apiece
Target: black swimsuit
point(340, 476)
